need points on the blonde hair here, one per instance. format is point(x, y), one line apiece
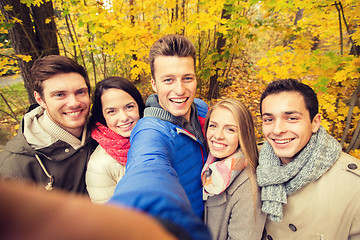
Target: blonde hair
point(246, 133)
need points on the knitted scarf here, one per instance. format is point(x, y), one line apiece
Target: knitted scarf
point(114, 144)
point(216, 175)
point(309, 164)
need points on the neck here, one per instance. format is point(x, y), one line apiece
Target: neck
point(285, 161)
point(76, 132)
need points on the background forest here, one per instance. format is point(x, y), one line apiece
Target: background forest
point(241, 46)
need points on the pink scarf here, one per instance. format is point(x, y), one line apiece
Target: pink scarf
point(114, 144)
point(216, 176)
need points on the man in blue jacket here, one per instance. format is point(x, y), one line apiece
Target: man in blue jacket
point(167, 146)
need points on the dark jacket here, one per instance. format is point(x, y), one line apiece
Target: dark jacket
point(66, 165)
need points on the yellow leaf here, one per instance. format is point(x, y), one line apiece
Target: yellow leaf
point(26, 58)
point(48, 20)
point(8, 8)
point(262, 62)
point(16, 20)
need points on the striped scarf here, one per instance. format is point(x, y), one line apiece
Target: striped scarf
point(216, 176)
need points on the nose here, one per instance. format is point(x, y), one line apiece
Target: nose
point(219, 134)
point(73, 101)
point(279, 127)
point(123, 116)
point(179, 87)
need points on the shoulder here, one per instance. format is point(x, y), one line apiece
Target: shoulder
point(348, 164)
point(343, 175)
point(153, 126)
point(151, 122)
point(99, 156)
point(101, 161)
point(15, 164)
point(241, 183)
point(202, 107)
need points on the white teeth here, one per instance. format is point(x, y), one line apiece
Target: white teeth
point(178, 100)
point(73, 113)
point(125, 125)
point(283, 141)
point(218, 145)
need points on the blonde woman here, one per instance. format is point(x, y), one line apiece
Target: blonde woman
point(233, 207)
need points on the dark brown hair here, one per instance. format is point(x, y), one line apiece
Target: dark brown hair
point(292, 85)
point(51, 65)
point(118, 83)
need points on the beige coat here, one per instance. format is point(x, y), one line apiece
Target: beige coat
point(102, 175)
point(230, 215)
point(326, 209)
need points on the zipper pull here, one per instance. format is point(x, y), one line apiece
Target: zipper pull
point(49, 186)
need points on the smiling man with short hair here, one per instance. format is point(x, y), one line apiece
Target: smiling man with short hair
point(310, 189)
point(52, 146)
point(167, 149)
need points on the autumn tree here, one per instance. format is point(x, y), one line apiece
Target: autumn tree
point(32, 31)
point(220, 44)
point(330, 68)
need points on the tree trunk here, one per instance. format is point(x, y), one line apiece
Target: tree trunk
point(221, 42)
point(134, 56)
point(32, 38)
point(349, 116)
point(340, 29)
point(45, 33)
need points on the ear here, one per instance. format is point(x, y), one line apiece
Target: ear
point(153, 85)
point(316, 123)
point(39, 99)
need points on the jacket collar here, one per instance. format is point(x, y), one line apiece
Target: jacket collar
point(153, 109)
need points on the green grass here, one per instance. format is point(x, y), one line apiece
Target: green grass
point(14, 101)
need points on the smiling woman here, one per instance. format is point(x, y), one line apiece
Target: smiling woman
point(117, 108)
point(120, 110)
point(232, 208)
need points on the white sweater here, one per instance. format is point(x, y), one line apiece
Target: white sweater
point(102, 175)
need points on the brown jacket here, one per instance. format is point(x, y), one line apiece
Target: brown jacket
point(66, 164)
point(230, 215)
point(327, 209)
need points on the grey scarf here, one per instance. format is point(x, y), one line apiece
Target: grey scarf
point(278, 181)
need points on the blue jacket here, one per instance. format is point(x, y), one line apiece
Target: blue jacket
point(163, 173)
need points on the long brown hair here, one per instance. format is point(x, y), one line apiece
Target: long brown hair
point(246, 133)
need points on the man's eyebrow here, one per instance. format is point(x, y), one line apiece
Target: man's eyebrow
point(57, 91)
point(84, 88)
point(292, 112)
point(167, 75)
point(283, 113)
point(266, 114)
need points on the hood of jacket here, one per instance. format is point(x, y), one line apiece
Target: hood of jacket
point(46, 145)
